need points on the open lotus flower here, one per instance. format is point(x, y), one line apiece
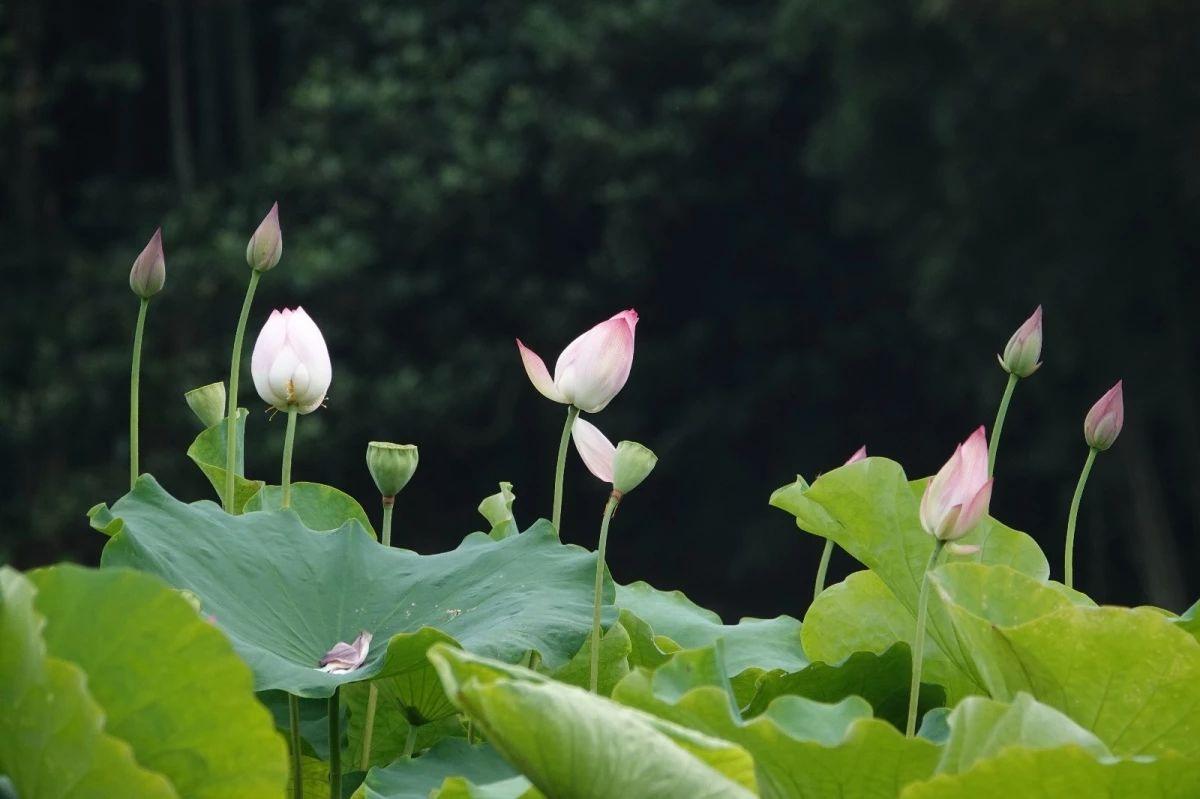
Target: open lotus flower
point(291, 364)
point(344, 657)
point(593, 367)
point(1023, 352)
point(957, 497)
point(1106, 418)
point(625, 465)
point(859, 454)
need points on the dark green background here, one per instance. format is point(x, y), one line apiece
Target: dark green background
point(830, 216)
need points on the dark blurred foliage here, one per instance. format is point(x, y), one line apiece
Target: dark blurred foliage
point(830, 215)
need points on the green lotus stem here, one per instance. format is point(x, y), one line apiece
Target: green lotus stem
point(470, 731)
point(369, 727)
point(1001, 412)
point(594, 669)
point(822, 568)
point(294, 729)
point(335, 747)
point(289, 442)
point(235, 368)
point(388, 504)
point(918, 650)
point(135, 378)
point(561, 467)
point(410, 743)
point(1069, 555)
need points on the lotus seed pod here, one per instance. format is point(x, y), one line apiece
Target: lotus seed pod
point(208, 403)
point(391, 465)
point(631, 465)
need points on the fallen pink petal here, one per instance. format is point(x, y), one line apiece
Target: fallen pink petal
point(343, 658)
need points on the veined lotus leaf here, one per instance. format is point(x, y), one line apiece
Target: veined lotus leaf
point(572, 744)
point(319, 506)
point(285, 594)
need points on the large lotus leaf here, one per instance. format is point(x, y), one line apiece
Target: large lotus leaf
point(801, 748)
point(882, 679)
point(53, 744)
point(452, 769)
point(572, 744)
point(1131, 676)
point(750, 647)
point(285, 594)
point(320, 507)
point(860, 614)
point(208, 452)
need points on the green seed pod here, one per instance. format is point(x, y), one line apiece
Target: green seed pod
point(208, 403)
point(631, 465)
point(391, 465)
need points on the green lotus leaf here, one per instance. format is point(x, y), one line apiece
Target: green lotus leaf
point(1190, 620)
point(452, 769)
point(53, 744)
point(170, 685)
point(751, 647)
point(402, 701)
point(882, 679)
point(285, 594)
point(1131, 676)
point(801, 748)
point(208, 452)
point(320, 507)
point(572, 744)
point(497, 509)
point(615, 647)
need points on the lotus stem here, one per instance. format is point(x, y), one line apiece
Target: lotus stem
point(918, 649)
point(235, 368)
point(410, 743)
point(373, 691)
point(561, 467)
point(289, 442)
point(1069, 555)
point(1001, 412)
point(135, 378)
point(822, 568)
point(388, 504)
point(594, 669)
point(294, 729)
point(335, 746)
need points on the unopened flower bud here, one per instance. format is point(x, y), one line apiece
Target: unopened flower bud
point(631, 465)
point(860, 454)
point(149, 271)
point(1023, 351)
point(266, 245)
point(1105, 419)
point(208, 403)
point(391, 465)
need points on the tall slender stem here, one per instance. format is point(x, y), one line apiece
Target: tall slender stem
point(294, 728)
point(918, 649)
point(594, 670)
point(410, 743)
point(289, 442)
point(822, 568)
point(561, 467)
point(135, 379)
point(1069, 555)
point(388, 504)
point(1001, 412)
point(235, 369)
point(335, 746)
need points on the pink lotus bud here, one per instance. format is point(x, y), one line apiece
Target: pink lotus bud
point(1023, 351)
point(957, 497)
point(290, 364)
point(1105, 419)
point(149, 271)
point(593, 367)
point(266, 245)
point(859, 454)
point(625, 466)
point(343, 657)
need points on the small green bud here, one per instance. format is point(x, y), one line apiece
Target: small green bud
point(149, 271)
point(391, 465)
point(266, 245)
point(631, 465)
point(208, 403)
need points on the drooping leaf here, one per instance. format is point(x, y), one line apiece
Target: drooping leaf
point(452, 769)
point(320, 507)
point(53, 744)
point(285, 594)
point(1131, 676)
point(750, 647)
point(801, 748)
point(575, 745)
point(497, 509)
point(208, 452)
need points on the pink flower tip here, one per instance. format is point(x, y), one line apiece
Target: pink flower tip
point(1106, 418)
point(859, 454)
point(957, 497)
